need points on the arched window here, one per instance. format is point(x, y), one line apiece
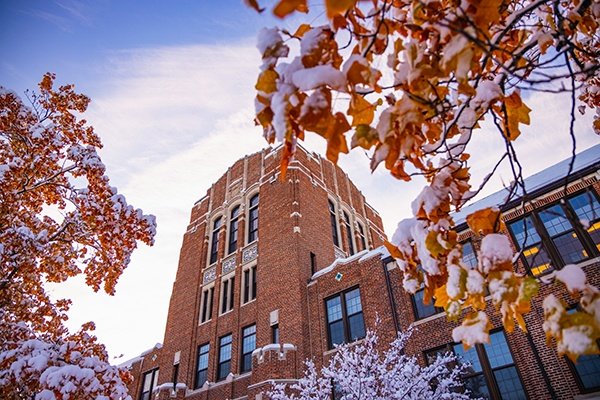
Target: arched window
point(361, 234)
point(253, 219)
point(214, 242)
point(334, 227)
point(349, 233)
point(234, 222)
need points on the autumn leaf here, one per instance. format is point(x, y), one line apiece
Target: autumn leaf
point(267, 81)
point(517, 113)
point(285, 7)
point(484, 221)
point(392, 249)
point(336, 7)
point(254, 5)
point(302, 29)
point(364, 136)
point(361, 110)
point(336, 141)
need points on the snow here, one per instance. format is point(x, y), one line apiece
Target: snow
point(321, 75)
point(495, 249)
point(357, 256)
point(474, 331)
point(268, 38)
point(311, 39)
point(575, 340)
point(573, 277)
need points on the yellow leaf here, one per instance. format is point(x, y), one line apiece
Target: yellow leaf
point(302, 29)
point(485, 221)
point(516, 112)
point(267, 81)
point(393, 249)
point(441, 297)
point(336, 7)
point(361, 110)
point(285, 7)
point(336, 141)
point(365, 137)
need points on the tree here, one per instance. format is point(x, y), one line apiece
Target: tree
point(362, 371)
point(419, 77)
point(59, 218)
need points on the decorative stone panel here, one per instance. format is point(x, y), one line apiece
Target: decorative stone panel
point(338, 253)
point(229, 265)
point(209, 275)
point(250, 253)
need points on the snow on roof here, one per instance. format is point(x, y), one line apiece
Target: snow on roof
point(583, 160)
point(130, 362)
point(360, 256)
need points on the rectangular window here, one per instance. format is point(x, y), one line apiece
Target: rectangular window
point(227, 287)
point(560, 234)
point(275, 333)
point(253, 219)
point(469, 258)
point(492, 373)
point(349, 234)
point(361, 235)
point(149, 382)
point(233, 230)
point(248, 346)
point(202, 366)
point(313, 263)
point(207, 301)
point(224, 362)
point(334, 227)
point(345, 321)
point(421, 309)
point(214, 242)
point(249, 287)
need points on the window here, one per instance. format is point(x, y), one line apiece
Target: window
point(334, 227)
point(344, 318)
point(253, 219)
point(361, 235)
point(227, 294)
point(175, 377)
point(313, 263)
point(214, 242)
point(275, 333)
point(149, 382)
point(349, 233)
point(207, 301)
point(492, 374)
point(224, 364)
point(552, 237)
point(421, 309)
point(234, 222)
point(249, 289)
point(248, 346)
point(469, 258)
point(202, 366)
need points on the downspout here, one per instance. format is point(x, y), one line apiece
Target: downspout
point(388, 285)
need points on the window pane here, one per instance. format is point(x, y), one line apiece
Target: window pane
point(203, 357)
point(509, 384)
point(336, 333)
point(469, 258)
point(201, 378)
point(497, 350)
point(468, 356)
point(588, 368)
point(520, 228)
point(225, 348)
point(570, 248)
point(353, 302)
point(538, 260)
point(477, 387)
point(555, 221)
point(423, 310)
point(224, 369)
point(357, 326)
point(334, 309)
point(586, 206)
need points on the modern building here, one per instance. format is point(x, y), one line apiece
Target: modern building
point(275, 271)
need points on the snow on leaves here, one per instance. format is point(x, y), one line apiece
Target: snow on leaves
point(418, 78)
point(362, 371)
point(59, 218)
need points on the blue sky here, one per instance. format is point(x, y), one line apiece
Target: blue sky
point(171, 84)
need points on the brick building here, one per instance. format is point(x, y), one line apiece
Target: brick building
point(273, 272)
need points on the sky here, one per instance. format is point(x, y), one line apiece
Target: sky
point(172, 88)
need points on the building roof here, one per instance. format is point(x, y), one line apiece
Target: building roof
point(587, 160)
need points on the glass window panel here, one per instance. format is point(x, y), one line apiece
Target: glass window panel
point(522, 227)
point(469, 257)
point(497, 350)
point(203, 357)
point(467, 356)
point(477, 387)
point(357, 326)
point(224, 369)
point(353, 302)
point(423, 310)
point(555, 221)
point(588, 368)
point(586, 206)
point(201, 378)
point(336, 333)
point(570, 248)
point(538, 260)
point(334, 309)
point(509, 384)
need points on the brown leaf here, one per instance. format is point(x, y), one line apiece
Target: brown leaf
point(285, 7)
point(254, 4)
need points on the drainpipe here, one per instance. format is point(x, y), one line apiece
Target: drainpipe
point(388, 285)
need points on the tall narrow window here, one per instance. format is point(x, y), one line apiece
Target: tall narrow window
point(313, 263)
point(202, 365)
point(175, 377)
point(234, 222)
point(249, 287)
point(214, 242)
point(224, 362)
point(248, 346)
point(149, 382)
point(227, 287)
point(421, 309)
point(207, 301)
point(563, 234)
point(361, 235)
point(469, 258)
point(345, 321)
point(275, 333)
point(349, 233)
point(253, 219)
point(587, 208)
point(334, 227)
point(534, 251)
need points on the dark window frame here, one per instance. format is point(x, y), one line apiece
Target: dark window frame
point(334, 223)
point(153, 374)
point(214, 242)
point(246, 355)
point(345, 317)
point(275, 333)
point(220, 361)
point(227, 294)
point(416, 305)
point(234, 224)
point(547, 240)
point(361, 234)
point(349, 233)
point(249, 284)
point(207, 304)
point(199, 353)
point(253, 218)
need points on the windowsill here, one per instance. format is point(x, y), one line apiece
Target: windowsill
point(248, 302)
point(205, 322)
point(587, 396)
point(430, 318)
point(226, 312)
point(335, 349)
point(219, 383)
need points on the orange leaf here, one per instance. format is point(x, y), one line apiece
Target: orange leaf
point(254, 4)
point(267, 81)
point(361, 110)
point(365, 137)
point(393, 249)
point(336, 7)
point(336, 141)
point(516, 112)
point(485, 221)
point(285, 7)
point(302, 29)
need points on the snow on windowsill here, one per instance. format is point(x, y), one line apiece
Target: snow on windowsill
point(338, 261)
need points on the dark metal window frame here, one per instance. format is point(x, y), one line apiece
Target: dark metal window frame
point(227, 294)
point(221, 362)
point(152, 374)
point(207, 304)
point(415, 307)
point(253, 217)
point(349, 233)
point(361, 234)
point(486, 368)
point(334, 223)
point(200, 353)
point(345, 315)
point(214, 242)
point(546, 240)
point(249, 284)
point(246, 354)
point(234, 223)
